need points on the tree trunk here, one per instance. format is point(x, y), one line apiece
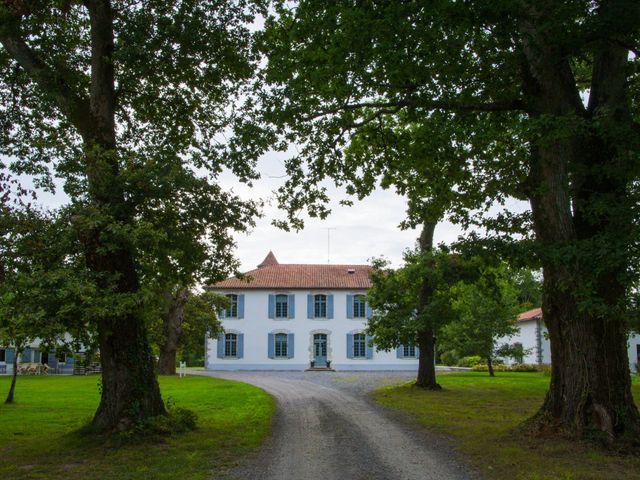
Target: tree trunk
point(426, 361)
point(130, 391)
point(172, 326)
point(14, 377)
point(426, 337)
point(583, 224)
point(490, 367)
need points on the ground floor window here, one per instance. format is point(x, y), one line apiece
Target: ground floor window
point(359, 345)
point(3, 355)
point(231, 345)
point(409, 351)
point(281, 345)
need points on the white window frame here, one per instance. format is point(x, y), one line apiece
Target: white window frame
point(320, 300)
point(283, 352)
point(359, 345)
point(231, 343)
point(359, 306)
point(284, 306)
point(407, 351)
point(233, 304)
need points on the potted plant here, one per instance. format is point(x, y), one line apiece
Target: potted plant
point(313, 364)
point(328, 363)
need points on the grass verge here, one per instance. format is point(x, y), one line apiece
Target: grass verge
point(40, 441)
point(480, 412)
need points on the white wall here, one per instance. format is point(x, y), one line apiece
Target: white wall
point(256, 326)
point(541, 349)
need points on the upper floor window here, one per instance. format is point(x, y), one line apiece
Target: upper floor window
point(281, 345)
point(359, 306)
point(282, 306)
point(359, 345)
point(231, 345)
point(232, 310)
point(409, 351)
point(320, 306)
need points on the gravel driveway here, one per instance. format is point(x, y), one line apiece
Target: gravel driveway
point(325, 428)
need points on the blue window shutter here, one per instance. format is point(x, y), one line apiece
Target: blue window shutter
point(10, 353)
point(369, 339)
point(69, 360)
point(240, 345)
point(292, 306)
point(221, 313)
point(400, 352)
point(417, 352)
point(272, 306)
point(290, 344)
point(349, 345)
point(271, 348)
point(368, 310)
point(309, 306)
point(221, 345)
point(241, 306)
point(349, 306)
point(329, 306)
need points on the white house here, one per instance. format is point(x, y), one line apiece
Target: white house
point(533, 337)
point(298, 316)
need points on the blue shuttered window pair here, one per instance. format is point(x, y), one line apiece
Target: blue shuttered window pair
point(235, 309)
point(359, 345)
point(357, 307)
point(320, 306)
point(282, 306)
point(281, 346)
point(407, 351)
point(231, 345)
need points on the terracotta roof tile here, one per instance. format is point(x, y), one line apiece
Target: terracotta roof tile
point(299, 276)
point(530, 315)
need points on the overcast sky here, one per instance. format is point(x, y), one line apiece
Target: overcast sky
point(365, 230)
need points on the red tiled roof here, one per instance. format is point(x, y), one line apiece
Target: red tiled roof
point(530, 315)
point(271, 274)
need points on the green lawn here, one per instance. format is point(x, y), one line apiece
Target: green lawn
point(480, 413)
point(39, 438)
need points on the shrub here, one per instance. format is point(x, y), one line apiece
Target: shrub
point(545, 368)
point(499, 367)
point(177, 420)
point(483, 367)
point(450, 357)
point(469, 361)
point(524, 367)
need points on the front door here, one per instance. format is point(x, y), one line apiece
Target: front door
point(320, 349)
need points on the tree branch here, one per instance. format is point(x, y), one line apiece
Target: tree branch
point(73, 106)
point(450, 105)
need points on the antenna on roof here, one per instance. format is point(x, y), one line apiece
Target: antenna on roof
point(329, 243)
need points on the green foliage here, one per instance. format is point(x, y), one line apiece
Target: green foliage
point(394, 295)
point(177, 420)
point(486, 311)
point(469, 361)
point(449, 357)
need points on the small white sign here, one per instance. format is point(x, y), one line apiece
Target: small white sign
point(183, 369)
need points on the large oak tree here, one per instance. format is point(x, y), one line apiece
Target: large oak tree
point(541, 102)
point(126, 100)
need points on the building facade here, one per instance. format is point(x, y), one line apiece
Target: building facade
point(532, 335)
point(299, 316)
